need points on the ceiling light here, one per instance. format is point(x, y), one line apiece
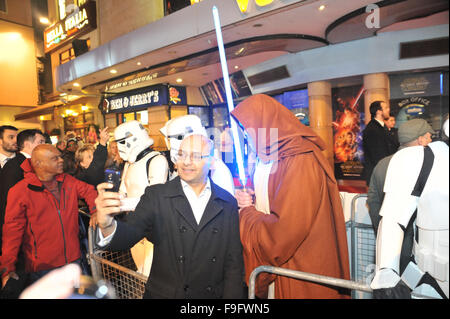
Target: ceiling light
point(322, 7)
point(239, 51)
point(76, 84)
point(44, 20)
point(13, 36)
point(84, 108)
point(113, 71)
point(236, 67)
point(139, 63)
point(179, 80)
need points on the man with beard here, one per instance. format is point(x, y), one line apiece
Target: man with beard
point(376, 143)
point(8, 144)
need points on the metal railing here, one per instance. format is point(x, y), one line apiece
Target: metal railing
point(362, 245)
point(337, 282)
point(117, 269)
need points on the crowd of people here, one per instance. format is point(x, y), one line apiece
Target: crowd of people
point(196, 236)
point(35, 179)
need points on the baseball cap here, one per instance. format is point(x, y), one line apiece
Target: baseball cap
point(412, 129)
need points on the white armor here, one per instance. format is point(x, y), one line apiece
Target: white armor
point(177, 129)
point(432, 221)
point(143, 168)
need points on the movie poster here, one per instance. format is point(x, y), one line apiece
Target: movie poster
point(348, 124)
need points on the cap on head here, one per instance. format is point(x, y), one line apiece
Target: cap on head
point(413, 129)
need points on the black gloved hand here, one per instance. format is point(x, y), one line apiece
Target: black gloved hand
point(400, 291)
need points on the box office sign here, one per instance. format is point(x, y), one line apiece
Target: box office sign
point(145, 97)
point(82, 20)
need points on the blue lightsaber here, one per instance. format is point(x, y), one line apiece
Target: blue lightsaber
point(226, 80)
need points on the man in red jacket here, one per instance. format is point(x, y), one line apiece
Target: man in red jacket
point(41, 216)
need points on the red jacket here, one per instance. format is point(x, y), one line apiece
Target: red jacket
point(46, 229)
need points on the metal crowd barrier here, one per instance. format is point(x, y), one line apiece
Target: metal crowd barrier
point(362, 245)
point(337, 282)
point(117, 268)
point(362, 256)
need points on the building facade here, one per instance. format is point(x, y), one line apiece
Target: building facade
point(326, 61)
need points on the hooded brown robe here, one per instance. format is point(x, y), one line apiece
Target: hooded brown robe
point(305, 229)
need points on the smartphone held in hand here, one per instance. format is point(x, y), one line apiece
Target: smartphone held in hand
point(113, 176)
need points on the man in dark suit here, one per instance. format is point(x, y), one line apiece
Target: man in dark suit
point(392, 133)
point(193, 224)
point(375, 138)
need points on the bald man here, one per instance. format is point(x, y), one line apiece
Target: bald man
point(193, 224)
point(41, 216)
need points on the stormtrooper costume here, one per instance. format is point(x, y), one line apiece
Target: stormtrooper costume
point(176, 130)
point(143, 167)
point(427, 273)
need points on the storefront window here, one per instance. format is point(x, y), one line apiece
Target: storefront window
point(3, 6)
point(127, 117)
point(220, 116)
point(142, 117)
point(69, 54)
point(175, 5)
point(297, 102)
point(202, 112)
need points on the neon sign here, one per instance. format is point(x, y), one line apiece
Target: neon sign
point(243, 4)
point(82, 20)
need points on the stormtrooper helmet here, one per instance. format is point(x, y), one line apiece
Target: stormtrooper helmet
point(178, 128)
point(132, 139)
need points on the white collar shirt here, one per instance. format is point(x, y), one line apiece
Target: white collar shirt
point(4, 158)
point(381, 122)
point(198, 203)
point(25, 154)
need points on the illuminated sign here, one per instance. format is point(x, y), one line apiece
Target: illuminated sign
point(79, 22)
point(243, 4)
point(139, 99)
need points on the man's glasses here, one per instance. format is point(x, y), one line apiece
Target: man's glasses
point(194, 157)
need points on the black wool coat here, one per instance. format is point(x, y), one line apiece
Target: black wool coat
point(190, 260)
point(376, 145)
